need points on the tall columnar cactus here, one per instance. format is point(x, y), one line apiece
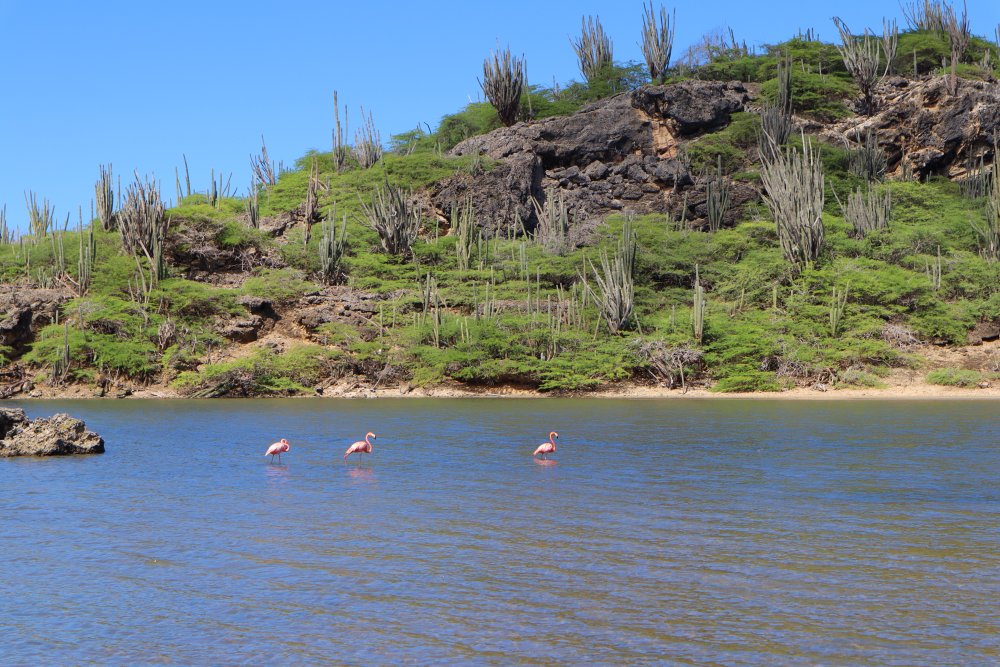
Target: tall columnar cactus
point(340, 149)
point(698, 308)
point(262, 167)
point(890, 42)
point(463, 226)
point(552, 231)
point(657, 40)
point(958, 29)
point(367, 142)
point(717, 197)
point(959, 33)
point(143, 225)
point(333, 244)
point(393, 217)
point(503, 83)
point(867, 213)
point(593, 48)
point(838, 302)
point(776, 118)
point(5, 234)
point(795, 198)
point(615, 296)
point(253, 206)
point(862, 56)
point(867, 160)
point(311, 210)
point(989, 231)
point(928, 15)
point(104, 195)
point(40, 217)
point(87, 257)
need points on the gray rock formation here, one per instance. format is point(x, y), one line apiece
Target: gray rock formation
point(48, 436)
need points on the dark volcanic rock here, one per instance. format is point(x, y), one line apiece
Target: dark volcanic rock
point(622, 149)
point(644, 122)
point(49, 436)
point(501, 196)
point(24, 311)
point(935, 132)
point(692, 107)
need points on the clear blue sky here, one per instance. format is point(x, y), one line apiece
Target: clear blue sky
point(139, 83)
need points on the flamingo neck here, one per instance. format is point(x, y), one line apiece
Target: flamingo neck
point(367, 442)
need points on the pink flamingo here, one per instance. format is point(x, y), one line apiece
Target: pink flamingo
point(547, 447)
point(361, 446)
point(277, 448)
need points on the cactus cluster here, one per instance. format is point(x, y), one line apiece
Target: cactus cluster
point(392, 215)
point(503, 83)
point(795, 198)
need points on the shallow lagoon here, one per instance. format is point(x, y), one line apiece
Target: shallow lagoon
point(677, 532)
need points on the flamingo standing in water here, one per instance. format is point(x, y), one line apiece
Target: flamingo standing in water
point(361, 446)
point(276, 449)
point(547, 447)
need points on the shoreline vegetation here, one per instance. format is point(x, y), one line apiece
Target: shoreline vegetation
point(900, 388)
point(811, 220)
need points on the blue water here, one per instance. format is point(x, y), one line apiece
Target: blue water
point(667, 532)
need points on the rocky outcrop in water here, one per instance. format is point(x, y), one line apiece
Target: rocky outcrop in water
point(58, 435)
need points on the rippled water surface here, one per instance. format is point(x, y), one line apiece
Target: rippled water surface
point(676, 532)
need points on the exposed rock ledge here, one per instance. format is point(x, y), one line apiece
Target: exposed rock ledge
point(48, 436)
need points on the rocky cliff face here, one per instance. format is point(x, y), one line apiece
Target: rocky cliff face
point(24, 311)
point(617, 153)
point(924, 129)
point(626, 152)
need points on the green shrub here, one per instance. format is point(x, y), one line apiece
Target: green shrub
point(858, 377)
point(819, 96)
point(130, 357)
point(278, 285)
point(954, 377)
point(730, 144)
point(746, 379)
point(262, 373)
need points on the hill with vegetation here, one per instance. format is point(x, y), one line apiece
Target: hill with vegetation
point(814, 215)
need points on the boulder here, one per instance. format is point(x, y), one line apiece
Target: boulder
point(984, 332)
point(58, 435)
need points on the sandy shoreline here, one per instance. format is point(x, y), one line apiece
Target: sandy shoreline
point(911, 391)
